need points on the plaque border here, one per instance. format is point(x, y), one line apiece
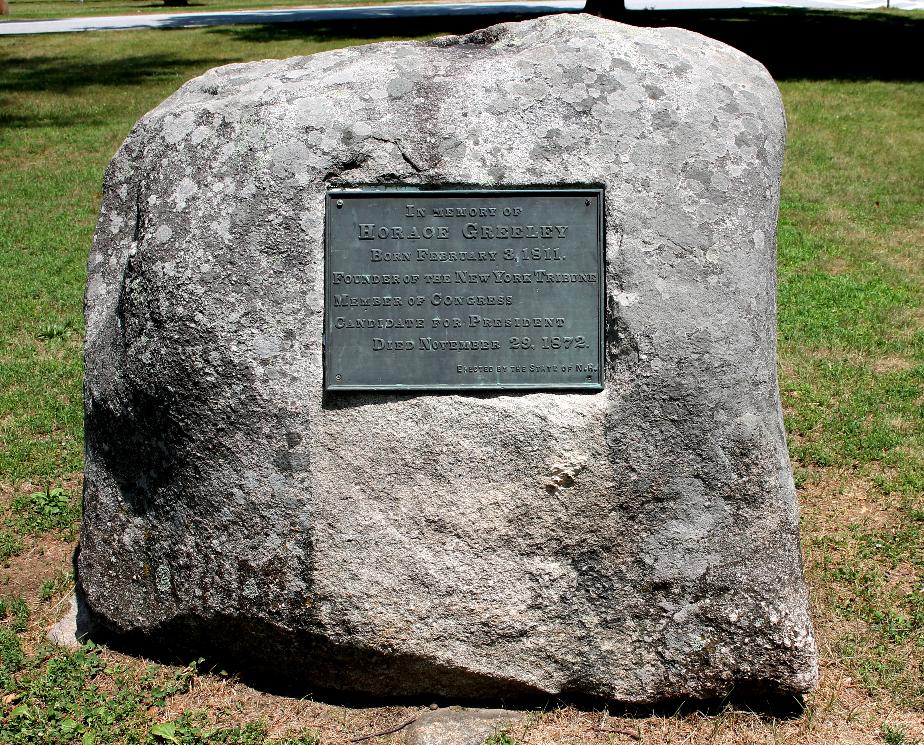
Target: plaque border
point(398, 190)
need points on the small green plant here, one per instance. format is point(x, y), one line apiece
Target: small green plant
point(15, 615)
point(15, 612)
point(11, 656)
point(9, 545)
point(501, 737)
point(893, 735)
point(55, 330)
point(191, 728)
point(51, 509)
point(56, 585)
point(77, 697)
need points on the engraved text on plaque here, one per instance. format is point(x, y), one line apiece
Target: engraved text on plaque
point(457, 289)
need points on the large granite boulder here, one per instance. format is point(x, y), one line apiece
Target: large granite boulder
point(636, 544)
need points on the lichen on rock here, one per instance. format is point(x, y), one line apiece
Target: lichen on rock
point(636, 544)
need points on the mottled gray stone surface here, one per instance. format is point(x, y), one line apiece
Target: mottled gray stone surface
point(74, 628)
point(459, 726)
point(64, 632)
point(405, 544)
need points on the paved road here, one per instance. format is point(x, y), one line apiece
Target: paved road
point(373, 12)
point(285, 15)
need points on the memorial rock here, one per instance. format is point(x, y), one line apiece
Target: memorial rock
point(623, 525)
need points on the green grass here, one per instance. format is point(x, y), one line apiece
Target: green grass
point(22, 10)
point(851, 330)
point(33, 513)
point(61, 582)
point(501, 738)
point(14, 612)
point(78, 697)
point(893, 736)
point(851, 335)
point(43, 511)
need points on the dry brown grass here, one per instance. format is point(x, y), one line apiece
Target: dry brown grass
point(839, 712)
point(832, 499)
point(44, 559)
point(229, 702)
point(879, 364)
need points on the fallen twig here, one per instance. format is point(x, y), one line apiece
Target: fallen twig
point(627, 733)
point(382, 733)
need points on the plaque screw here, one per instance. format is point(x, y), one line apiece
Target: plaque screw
point(587, 203)
point(340, 203)
point(338, 377)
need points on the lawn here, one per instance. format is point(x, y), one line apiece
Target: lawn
point(851, 336)
point(23, 10)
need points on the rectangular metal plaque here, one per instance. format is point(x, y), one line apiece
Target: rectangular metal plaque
point(463, 289)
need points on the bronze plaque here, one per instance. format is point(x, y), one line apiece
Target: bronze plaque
point(463, 289)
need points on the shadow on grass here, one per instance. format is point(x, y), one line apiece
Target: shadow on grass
point(792, 43)
point(36, 75)
point(63, 74)
point(812, 44)
point(13, 120)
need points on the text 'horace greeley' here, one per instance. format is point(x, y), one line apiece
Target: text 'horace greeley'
point(470, 231)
